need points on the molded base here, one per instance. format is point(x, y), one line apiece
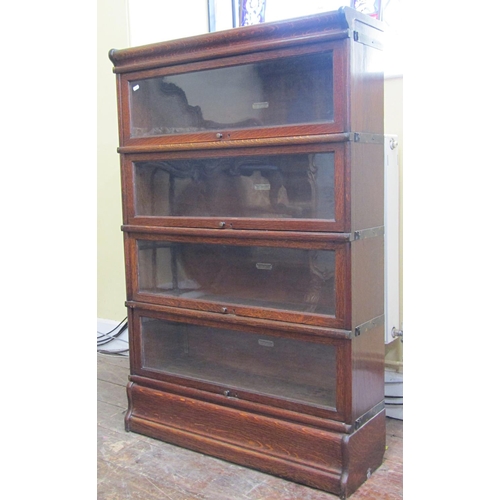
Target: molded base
point(331, 461)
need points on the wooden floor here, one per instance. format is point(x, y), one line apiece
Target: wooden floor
point(131, 466)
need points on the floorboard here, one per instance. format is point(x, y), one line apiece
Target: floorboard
point(135, 467)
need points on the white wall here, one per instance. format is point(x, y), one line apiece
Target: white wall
point(122, 24)
point(154, 21)
point(277, 10)
point(112, 32)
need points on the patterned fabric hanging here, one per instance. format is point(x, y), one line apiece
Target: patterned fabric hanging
point(252, 12)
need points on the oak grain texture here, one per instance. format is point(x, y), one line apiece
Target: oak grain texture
point(135, 467)
point(335, 448)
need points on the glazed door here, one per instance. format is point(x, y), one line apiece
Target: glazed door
point(297, 188)
point(303, 284)
point(281, 367)
point(278, 93)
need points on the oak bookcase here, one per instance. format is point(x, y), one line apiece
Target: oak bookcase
point(252, 176)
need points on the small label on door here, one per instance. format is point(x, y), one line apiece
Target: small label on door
point(260, 105)
point(266, 343)
point(264, 266)
point(135, 87)
point(262, 187)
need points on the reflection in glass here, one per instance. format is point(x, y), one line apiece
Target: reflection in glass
point(276, 186)
point(301, 371)
point(280, 278)
point(274, 92)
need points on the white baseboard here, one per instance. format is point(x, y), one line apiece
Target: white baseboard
point(105, 326)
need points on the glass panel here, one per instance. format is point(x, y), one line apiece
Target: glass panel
point(276, 366)
point(281, 278)
point(277, 186)
point(275, 92)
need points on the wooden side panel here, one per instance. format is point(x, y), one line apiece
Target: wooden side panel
point(367, 185)
point(367, 81)
point(368, 353)
point(363, 454)
point(367, 279)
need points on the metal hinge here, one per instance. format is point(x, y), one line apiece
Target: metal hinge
point(367, 233)
point(359, 422)
point(364, 327)
point(366, 138)
point(366, 40)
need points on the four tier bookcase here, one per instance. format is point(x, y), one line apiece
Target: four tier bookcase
point(252, 176)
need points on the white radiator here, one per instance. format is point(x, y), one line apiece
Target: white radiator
point(393, 328)
point(391, 252)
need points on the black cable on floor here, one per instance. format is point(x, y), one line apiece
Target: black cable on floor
point(101, 334)
point(106, 338)
point(113, 353)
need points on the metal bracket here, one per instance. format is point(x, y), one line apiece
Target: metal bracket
point(367, 233)
point(366, 138)
point(364, 327)
point(366, 40)
point(368, 415)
